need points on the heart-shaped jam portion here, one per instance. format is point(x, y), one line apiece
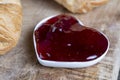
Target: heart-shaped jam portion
point(63, 38)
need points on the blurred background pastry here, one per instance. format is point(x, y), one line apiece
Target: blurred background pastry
point(81, 6)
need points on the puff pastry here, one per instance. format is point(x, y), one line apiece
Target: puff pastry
point(81, 6)
point(10, 24)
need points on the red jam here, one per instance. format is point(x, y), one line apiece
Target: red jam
point(63, 38)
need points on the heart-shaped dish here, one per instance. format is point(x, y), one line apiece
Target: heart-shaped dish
point(63, 41)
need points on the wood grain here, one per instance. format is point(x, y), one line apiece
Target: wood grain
point(21, 62)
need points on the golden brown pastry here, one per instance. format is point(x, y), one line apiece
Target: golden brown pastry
point(81, 6)
point(10, 24)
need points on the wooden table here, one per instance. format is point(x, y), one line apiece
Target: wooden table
point(21, 63)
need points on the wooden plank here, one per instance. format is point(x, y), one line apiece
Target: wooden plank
point(21, 62)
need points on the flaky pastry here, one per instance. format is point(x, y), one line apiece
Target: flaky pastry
point(10, 24)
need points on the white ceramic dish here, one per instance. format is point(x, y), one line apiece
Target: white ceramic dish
point(66, 64)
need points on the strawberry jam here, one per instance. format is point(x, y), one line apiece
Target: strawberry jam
point(63, 38)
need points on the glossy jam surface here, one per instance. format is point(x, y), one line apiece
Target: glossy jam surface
point(63, 38)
